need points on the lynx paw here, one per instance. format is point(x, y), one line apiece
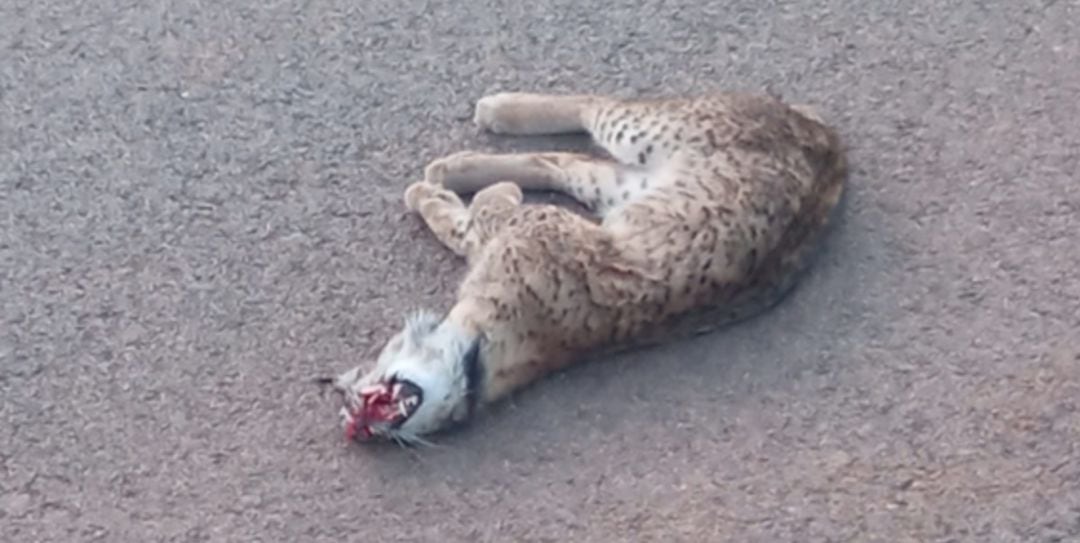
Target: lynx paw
point(448, 168)
point(501, 193)
point(417, 193)
point(493, 112)
point(421, 191)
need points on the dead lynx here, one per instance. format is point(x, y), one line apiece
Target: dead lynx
point(705, 214)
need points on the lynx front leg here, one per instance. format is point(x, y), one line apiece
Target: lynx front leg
point(463, 230)
point(490, 209)
point(443, 212)
point(598, 184)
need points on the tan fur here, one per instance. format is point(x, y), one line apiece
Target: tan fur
point(705, 213)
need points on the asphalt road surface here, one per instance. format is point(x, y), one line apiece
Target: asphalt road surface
point(200, 210)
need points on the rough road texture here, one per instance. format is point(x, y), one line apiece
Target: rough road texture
point(201, 209)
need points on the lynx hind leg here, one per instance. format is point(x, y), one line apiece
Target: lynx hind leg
point(598, 184)
point(528, 114)
point(635, 133)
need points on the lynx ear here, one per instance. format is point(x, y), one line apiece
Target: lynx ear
point(418, 325)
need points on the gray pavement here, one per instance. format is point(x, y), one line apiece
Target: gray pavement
point(200, 209)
